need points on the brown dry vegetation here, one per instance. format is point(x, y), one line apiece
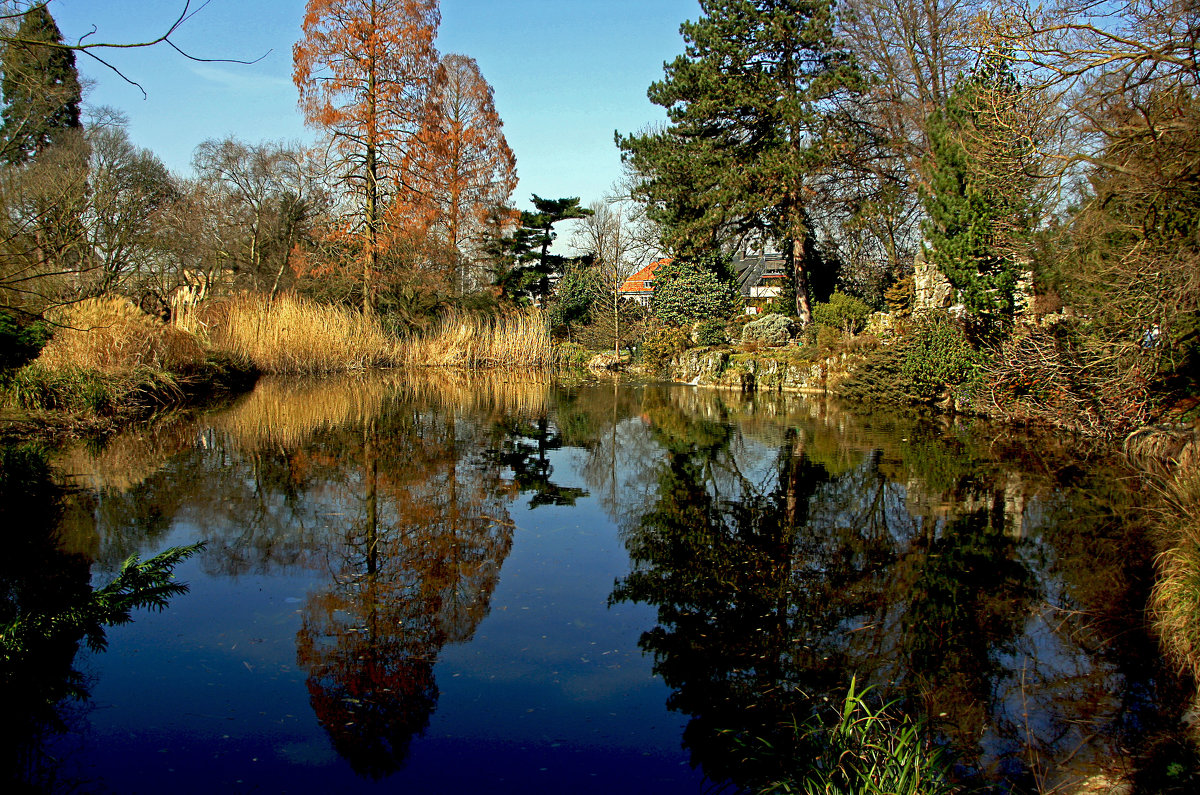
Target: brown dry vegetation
point(520, 339)
point(292, 334)
point(111, 335)
point(1173, 459)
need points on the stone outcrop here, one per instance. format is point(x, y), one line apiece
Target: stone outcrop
point(931, 289)
point(756, 373)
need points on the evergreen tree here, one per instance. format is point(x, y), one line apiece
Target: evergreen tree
point(521, 263)
point(750, 108)
point(979, 200)
point(540, 227)
point(40, 86)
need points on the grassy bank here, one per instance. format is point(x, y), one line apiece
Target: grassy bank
point(108, 361)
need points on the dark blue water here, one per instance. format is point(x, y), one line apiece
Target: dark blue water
point(511, 586)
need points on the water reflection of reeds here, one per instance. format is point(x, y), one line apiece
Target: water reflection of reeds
point(286, 413)
point(128, 458)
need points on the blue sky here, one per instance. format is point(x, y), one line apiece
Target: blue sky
point(566, 73)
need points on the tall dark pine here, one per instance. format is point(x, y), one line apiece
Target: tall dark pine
point(549, 212)
point(750, 105)
point(40, 86)
point(522, 265)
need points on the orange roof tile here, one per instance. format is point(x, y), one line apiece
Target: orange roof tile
point(637, 282)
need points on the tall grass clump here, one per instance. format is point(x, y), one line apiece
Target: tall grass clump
point(863, 750)
point(520, 339)
point(1175, 600)
point(294, 335)
point(111, 335)
point(105, 356)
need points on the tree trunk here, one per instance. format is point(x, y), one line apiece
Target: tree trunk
point(617, 328)
point(800, 274)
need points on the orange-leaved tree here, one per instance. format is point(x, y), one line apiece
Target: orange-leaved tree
point(462, 168)
point(364, 68)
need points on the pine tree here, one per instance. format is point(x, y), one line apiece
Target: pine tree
point(40, 86)
point(750, 106)
point(539, 230)
point(979, 200)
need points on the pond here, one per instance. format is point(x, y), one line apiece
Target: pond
point(453, 583)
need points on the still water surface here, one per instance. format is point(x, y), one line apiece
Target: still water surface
point(453, 584)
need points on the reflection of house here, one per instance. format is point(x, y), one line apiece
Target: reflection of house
point(640, 286)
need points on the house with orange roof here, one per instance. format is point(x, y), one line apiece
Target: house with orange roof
point(640, 286)
point(760, 278)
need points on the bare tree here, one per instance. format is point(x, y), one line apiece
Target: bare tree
point(607, 238)
point(272, 191)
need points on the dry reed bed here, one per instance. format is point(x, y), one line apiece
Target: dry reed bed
point(520, 339)
point(113, 336)
point(293, 334)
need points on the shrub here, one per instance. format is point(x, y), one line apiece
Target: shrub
point(769, 330)
point(20, 342)
point(939, 356)
point(685, 292)
point(710, 332)
point(827, 337)
point(658, 348)
point(844, 312)
point(879, 380)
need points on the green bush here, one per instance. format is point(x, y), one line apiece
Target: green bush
point(658, 348)
point(827, 337)
point(686, 291)
point(939, 356)
point(844, 312)
point(20, 342)
point(711, 332)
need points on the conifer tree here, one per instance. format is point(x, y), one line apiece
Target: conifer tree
point(979, 200)
point(750, 106)
point(538, 230)
point(41, 88)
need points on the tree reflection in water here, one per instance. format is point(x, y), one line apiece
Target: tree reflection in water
point(944, 579)
point(991, 587)
point(415, 570)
